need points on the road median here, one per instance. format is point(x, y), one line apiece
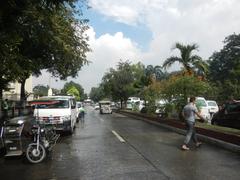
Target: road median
point(224, 137)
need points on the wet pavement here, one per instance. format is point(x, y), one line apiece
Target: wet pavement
point(149, 152)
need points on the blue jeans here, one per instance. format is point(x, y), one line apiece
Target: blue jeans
point(191, 133)
point(82, 115)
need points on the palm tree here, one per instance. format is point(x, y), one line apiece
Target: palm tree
point(189, 61)
point(200, 68)
point(156, 72)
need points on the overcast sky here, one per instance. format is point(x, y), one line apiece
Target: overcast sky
point(146, 30)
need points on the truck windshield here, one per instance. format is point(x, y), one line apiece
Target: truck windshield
point(58, 104)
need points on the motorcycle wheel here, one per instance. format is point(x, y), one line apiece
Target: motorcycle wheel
point(35, 156)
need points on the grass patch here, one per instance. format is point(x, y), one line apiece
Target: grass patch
point(222, 129)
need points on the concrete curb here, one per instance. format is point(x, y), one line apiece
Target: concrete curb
point(220, 143)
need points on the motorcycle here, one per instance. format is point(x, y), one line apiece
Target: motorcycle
point(35, 141)
point(44, 139)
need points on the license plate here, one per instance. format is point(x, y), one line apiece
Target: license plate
point(13, 148)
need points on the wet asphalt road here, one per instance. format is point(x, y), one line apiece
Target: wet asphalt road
point(150, 152)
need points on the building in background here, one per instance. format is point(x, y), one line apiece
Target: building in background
point(50, 92)
point(14, 91)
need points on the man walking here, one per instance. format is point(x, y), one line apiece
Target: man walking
point(82, 113)
point(5, 109)
point(189, 112)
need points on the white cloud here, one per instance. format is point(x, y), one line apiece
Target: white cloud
point(205, 22)
point(118, 10)
point(107, 50)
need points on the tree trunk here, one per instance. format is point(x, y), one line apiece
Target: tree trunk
point(22, 94)
point(22, 97)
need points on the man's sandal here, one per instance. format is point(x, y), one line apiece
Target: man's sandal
point(198, 144)
point(184, 147)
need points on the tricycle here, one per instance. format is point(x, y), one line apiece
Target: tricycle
point(26, 135)
point(21, 136)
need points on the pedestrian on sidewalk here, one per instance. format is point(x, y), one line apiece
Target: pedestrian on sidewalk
point(82, 113)
point(189, 112)
point(5, 108)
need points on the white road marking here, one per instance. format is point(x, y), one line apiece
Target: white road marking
point(118, 136)
point(101, 119)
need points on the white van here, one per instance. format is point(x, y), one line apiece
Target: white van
point(58, 110)
point(202, 106)
point(131, 101)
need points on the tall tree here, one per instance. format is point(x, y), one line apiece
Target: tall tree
point(70, 85)
point(40, 90)
point(42, 34)
point(224, 68)
point(74, 92)
point(155, 72)
point(97, 93)
point(118, 83)
point(187, 59)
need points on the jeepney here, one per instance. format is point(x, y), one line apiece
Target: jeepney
point(105, 107)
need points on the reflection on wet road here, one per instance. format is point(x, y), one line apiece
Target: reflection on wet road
point(95, 151)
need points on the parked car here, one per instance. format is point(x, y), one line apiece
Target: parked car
point(96, 106)
point(202, 106)
point(212, 107)
point(160, 107)
point(228, 116)
point(79, 105)
point(114, 106)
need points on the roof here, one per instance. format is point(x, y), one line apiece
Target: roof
point(56, 97)
point(101, 102)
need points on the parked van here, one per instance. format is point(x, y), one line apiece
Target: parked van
point(58, 110)
point(202, 106)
